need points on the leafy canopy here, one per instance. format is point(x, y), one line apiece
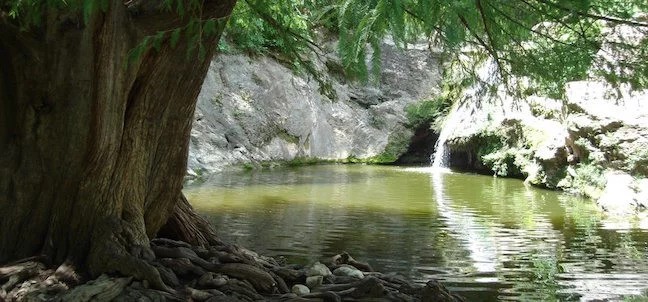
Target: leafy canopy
point(550, 42)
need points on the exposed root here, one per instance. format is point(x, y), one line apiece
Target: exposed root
point(68, 274)
point(197, 273)
point(183, 252)
point(281, 284)
point(100, 289)
point(20, 271)
point(345, 258)
point(186, 225)
point(110, 254)
point(259, 278)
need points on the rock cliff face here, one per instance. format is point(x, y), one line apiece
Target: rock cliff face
point(587, 144)
point(253, 111)
point(593, 142)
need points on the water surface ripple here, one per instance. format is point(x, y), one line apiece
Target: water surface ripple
point(490, 239)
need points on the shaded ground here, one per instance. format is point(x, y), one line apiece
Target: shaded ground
point(219, 272)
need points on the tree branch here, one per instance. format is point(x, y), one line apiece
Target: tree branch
point(593, 16)
point(520, 24)
point(482, 13)
point(489, 49)
point(151, 17)
point(274, 23)
point(559, 21)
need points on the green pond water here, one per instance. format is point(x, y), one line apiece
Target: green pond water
point(489, 239)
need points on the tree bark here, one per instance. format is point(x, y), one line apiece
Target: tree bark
point(94, 148)
point(186, 225)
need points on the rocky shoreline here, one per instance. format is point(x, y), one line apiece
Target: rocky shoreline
point(221, 272)
point(591, 140)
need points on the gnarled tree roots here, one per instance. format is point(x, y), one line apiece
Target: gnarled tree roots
point(219, 272)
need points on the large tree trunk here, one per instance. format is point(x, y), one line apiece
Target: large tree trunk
point(92, 148)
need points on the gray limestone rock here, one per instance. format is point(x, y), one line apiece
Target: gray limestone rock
point(255, 110)
point(318, 269)
point(593, 142)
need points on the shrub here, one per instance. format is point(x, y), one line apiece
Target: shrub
point(428, 111)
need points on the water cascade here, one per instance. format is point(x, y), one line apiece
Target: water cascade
point(464, 110)
point(441, 156)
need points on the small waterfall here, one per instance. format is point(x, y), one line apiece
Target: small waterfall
point(463, 110)
point(441, 156)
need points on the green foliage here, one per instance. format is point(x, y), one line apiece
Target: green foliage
point(279, 27)
point(295, 162)
point(557, 57)
point(638, 162)
point(550, 42)
point(488, 143)
point(588, 179)
point(589, 174)
point(284, 29)
point(194, 33)
point(30, 14)
point(428, 111)
point(504, 162)
point(304, 161)
point(637, 298)
point(433, 112)
point(396, 146)
point(507, 149)
point(546, 269)
point(503, 157)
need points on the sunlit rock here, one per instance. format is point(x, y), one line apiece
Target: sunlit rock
point(642, 192)
point(253, 111)
point(300, 289)
point(347, 270)
point(319, 269)
point(592, 142)
point(618, 193)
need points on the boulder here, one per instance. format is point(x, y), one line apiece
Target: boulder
point(318, 269)
point(618, 196)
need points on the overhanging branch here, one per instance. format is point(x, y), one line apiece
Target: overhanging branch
point(152, 16)
point(593, 16)
point(492, 52)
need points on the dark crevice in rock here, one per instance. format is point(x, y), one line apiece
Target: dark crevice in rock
point(421, 146)
point(468, 161)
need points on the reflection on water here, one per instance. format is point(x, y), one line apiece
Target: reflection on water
point(489, 238)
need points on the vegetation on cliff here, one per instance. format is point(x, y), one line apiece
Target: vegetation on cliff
point(97, 97)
